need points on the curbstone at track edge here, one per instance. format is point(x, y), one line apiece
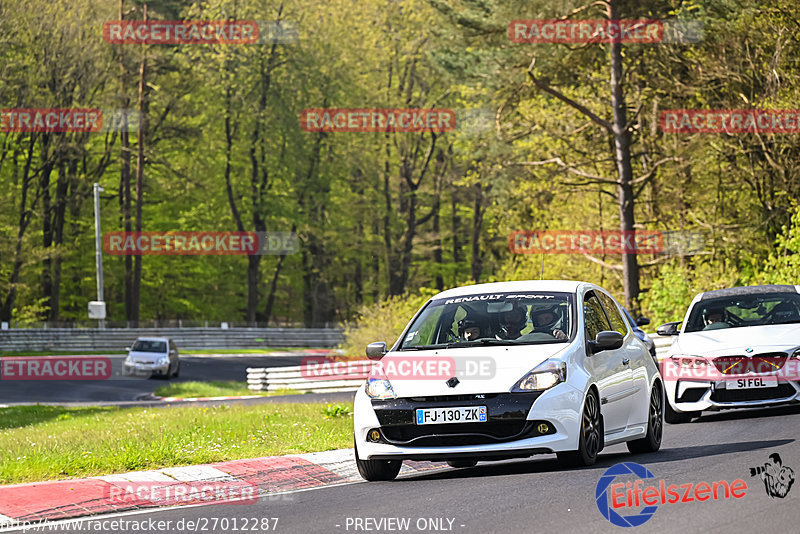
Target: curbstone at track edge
point(272, 475)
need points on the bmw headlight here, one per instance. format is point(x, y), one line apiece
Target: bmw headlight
point(380, 388)
point(687, 361)
point(544, 376)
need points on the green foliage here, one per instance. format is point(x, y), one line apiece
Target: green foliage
point(383, 321)
point(51, 442)
point(336, 410)
point(783, 264)
point(669, 295)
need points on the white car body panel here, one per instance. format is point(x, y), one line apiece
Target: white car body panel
point(624, 390)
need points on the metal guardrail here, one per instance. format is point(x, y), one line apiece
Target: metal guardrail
point(185, 338)
point(349, 377)
point(322, 378)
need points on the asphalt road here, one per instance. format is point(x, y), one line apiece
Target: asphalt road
point(115, 390)
point(539, 496)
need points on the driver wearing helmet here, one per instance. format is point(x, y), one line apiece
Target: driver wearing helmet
point(469, 329)
point(512, 322)
point(545, 319)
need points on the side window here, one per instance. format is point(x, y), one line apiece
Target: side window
point(594, 316)
point(617, 322)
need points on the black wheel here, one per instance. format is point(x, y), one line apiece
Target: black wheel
point(377, 470)
point(462, 463)
point(651, 442)
point(676, 418)
point(177, 369)
point(590, 438)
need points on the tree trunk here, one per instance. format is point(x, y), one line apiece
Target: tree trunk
point(141, 136)
point(477, 224)
point(622, 157)
point(24, 220)
point(125, 179)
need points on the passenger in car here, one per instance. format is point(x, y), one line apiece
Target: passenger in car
point(511, 323)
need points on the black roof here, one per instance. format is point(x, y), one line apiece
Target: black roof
point(748, 290)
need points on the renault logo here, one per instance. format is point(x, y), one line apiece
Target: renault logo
point(453, 382)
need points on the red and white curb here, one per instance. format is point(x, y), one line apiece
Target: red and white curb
point(271, 475)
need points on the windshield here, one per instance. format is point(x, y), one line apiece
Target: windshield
point(142, 345)
point(747, 310)
point(493, 318)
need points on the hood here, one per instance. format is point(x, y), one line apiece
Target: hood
point(146, 356)
point(726, 341)
point(479, 369)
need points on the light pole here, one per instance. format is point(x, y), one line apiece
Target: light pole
point(97, 309)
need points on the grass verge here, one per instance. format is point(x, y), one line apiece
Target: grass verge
point(51, 442)
point(190, 389)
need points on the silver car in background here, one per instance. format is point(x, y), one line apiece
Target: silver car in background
point(152, 357)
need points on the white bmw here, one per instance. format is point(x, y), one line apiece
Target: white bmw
point(737, 348)
point(508, 370)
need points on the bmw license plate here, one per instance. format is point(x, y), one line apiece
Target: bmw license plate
point(753, 382)
point(439, 416)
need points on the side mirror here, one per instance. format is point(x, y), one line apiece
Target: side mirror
point(605, 340)
point(376, 350)
point(642, 321)
point(669, 329)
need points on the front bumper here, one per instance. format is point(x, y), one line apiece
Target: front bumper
point(699, 395)
point(144, 369)
point(513, 427)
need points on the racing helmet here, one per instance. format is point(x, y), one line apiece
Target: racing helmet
point(507, 317)
point(541, 309)
point(466, 323)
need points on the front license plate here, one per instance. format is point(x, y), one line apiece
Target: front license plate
point(754, 382)
point(439, 416)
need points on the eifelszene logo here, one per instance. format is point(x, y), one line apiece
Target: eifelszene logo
point(615, 498)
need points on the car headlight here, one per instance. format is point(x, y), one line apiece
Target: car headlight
point(164, 360)
point(380, 388)
point(544, 376)
point(796, 354)
point(690, 362)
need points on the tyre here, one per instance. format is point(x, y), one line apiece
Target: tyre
point(651, 442)
point(462, 463)
point(377, 470)
point(676, 418)
point(177, 369)
point(590, 437)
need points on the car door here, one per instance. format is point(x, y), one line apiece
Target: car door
point(636, 354)
point(609, 368)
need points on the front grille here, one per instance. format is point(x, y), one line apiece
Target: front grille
point(462, 434)
point(753, 394)
point(766, 363)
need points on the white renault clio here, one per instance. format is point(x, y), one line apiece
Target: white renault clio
point(508, 370)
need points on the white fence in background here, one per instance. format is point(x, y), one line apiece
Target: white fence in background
point(347, 377)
